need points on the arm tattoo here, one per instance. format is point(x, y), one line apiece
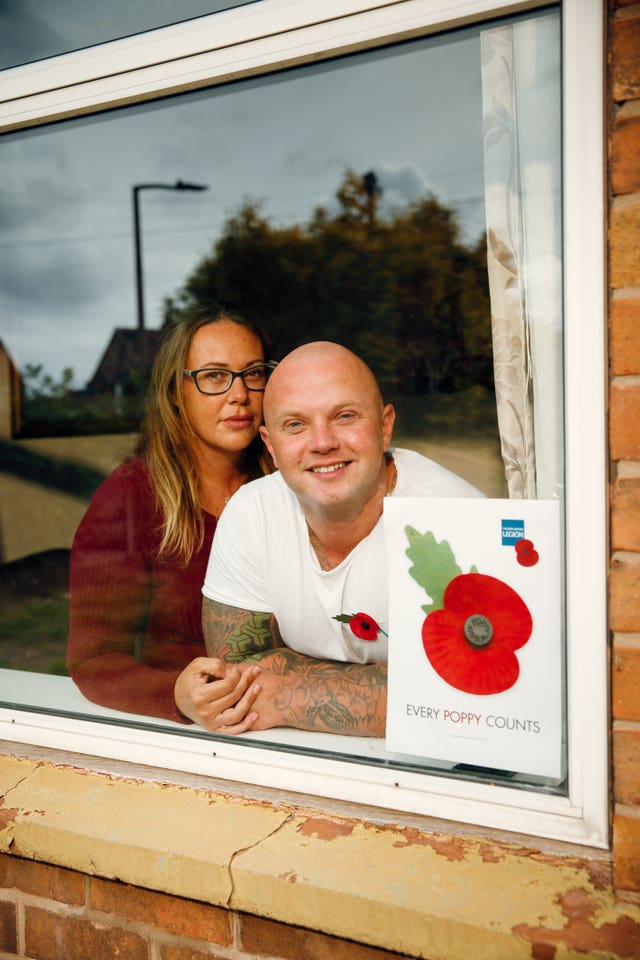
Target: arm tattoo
point(307, 693)
point(330, 696)
point(233, 634)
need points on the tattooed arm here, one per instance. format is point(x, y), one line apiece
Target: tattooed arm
point(236, 635)
point(297, 690)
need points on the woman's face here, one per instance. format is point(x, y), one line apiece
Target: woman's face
point(229, 421)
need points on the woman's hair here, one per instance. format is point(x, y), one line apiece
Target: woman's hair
point(166, 434)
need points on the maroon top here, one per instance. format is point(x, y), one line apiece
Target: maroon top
point(134, 620)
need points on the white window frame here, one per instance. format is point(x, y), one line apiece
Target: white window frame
point(268, 35)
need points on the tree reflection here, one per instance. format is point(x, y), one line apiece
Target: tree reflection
point(402, 290)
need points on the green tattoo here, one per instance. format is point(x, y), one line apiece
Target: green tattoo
point(235, 635)
point(304, 692)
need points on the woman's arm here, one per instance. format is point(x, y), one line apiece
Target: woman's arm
point(135, 641)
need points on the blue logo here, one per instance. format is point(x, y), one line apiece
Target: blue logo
point(512, 530)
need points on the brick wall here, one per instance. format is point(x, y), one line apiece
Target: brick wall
point(624, 435)
point(51, 913)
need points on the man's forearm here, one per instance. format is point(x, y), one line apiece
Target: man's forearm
point(297, 690)
point(321, 695)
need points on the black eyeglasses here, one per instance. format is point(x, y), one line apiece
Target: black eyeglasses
point(212, 380)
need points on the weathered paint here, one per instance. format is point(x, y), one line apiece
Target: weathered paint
point(325, 829)
point(420, 892)
point(584, 929)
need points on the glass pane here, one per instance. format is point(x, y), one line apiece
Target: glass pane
point(343, 201)
point(31, 30)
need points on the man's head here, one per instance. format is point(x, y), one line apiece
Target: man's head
point(327, 429)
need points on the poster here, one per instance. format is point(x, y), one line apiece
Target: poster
point(476, 632)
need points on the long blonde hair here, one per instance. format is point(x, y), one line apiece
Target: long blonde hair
point(165, 436)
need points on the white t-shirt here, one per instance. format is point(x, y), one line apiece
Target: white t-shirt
point(261, 559)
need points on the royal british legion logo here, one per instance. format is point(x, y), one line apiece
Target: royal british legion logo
point(512, 530)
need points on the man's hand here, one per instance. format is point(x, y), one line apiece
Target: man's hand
point(216, 696)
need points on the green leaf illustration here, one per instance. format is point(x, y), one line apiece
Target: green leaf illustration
point(433, 565)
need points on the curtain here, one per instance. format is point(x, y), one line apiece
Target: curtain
point(521, 90)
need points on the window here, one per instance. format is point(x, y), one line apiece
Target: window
point(32, 32)
point(371, 118)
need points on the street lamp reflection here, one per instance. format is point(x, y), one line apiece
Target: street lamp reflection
point(178, 185)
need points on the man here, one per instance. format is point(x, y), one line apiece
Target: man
point(299, 553)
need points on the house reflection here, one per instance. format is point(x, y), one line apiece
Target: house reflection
point(125, 365)
point(9, 395)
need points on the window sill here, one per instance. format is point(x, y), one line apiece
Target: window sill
point(343, 871)
point(347, 769)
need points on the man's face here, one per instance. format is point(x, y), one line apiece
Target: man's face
point(327, 431)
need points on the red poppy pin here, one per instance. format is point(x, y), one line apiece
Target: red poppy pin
point(526, 553)
point(474, 624)
point(362, 625)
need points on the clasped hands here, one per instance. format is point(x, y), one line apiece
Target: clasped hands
point(217, 695)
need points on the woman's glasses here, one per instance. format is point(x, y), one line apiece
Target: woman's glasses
point(212, 380)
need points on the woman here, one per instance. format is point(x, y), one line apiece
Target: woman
point(140, 553)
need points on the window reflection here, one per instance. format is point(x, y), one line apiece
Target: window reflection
point(32, 30)
point(346, 201)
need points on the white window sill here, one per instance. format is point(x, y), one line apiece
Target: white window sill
point(322, 765)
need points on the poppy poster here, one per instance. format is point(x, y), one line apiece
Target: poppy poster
point(476, 632)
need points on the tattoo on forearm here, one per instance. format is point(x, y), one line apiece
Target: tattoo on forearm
point(346, 698)
point(308, 693)
point(236, 635)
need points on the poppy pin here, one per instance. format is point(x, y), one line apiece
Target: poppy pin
point(362, 625)
point(526, 553)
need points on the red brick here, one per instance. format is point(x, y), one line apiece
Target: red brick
point(54, 936)
point(266, 938)
point(625, 514)
point(626, 764)
point(171, 951)
point(624, 246)
point(624, 335)
point(8, 927)
point(625, 677)
point(625, 154)
point(186, 918)
point(624, 598)
point(42, 880)
point(625, 51)
point(624, 421)
point(626, 851)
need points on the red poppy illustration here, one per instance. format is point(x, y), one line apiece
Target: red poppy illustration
point(362, 625)
point(526, 554)
point(471, 642)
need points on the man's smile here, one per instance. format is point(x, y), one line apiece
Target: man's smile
point(330, 468)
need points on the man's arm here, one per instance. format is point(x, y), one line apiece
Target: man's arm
point(237, 635)
point(297, 690)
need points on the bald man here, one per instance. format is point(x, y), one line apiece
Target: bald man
point(297, 554)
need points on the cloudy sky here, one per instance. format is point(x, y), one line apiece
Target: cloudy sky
point(32, 30)
point(411, 113)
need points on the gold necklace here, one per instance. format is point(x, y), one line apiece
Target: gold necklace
point(319, 550)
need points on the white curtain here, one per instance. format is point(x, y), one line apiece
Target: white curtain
point(521, 88)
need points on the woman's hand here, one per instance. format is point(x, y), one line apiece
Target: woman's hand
point(218, 696)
